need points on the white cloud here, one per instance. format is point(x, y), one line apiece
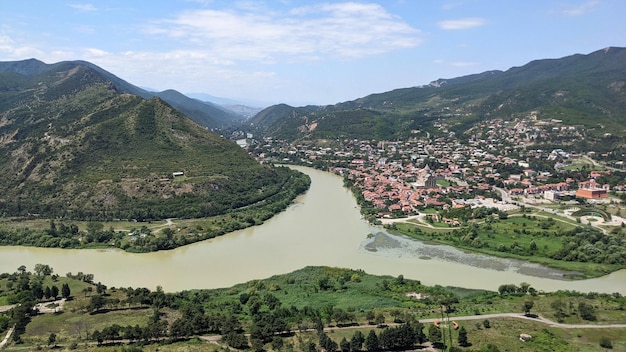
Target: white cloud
point(580, 9)
point(83, 7)
point(465, 23)
point(10, 49)
point(93, 52)
point(301, 34)
point(456, 63)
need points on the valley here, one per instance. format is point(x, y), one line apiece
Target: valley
point(473, 197)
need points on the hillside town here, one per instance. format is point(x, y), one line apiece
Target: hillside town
point(497, 160)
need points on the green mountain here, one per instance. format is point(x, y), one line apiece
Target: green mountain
point(76, 144)
point(585, 90)
point(205, 113)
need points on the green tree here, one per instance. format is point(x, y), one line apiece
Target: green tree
point(528, 305)
point(54, 291)
point(52, 338)
point(462, 338)
point(344, 345)
point(43, 270)
point(370, 315)
point(357, 340)
point(586, 311)
point(65, 291)
point(380, 319)
point(434, 334)
point(96, 303)
point(371, 341)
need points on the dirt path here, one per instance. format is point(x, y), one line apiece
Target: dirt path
point(6, 338)
point(6, 308)
point(537, 319)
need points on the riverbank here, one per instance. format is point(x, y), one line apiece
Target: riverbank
point(515, 240)
point(142, 237)
point(360, 302)
point(322, 227)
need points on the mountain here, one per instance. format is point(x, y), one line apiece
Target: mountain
point(76, 142)
point(586, 90)
point(207, 114)
point(246, 109)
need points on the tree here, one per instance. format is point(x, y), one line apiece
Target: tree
point(434, 334)
point(462, 338)
point(65, 291)
point(52, 339)
point(586, 311)
point(357, 340)
point(380, 319)
point(96, 303)
point(324, 282)
point(21, 269)
point(371, 341)
point(344, 345)
point(528, 305)
point(43, 270)
point(54, 291)
point(93, 227)
point(370, 315)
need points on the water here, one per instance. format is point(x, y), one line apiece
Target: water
point(323, 227)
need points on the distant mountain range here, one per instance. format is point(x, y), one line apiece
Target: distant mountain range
point(78, 142)
point(587, 90)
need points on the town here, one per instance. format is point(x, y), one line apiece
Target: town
point(496, 161)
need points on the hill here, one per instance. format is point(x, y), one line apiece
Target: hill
point(205, 113)
point(586, 90)
point(74, 143)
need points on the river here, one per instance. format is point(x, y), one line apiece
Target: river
point(323, 227)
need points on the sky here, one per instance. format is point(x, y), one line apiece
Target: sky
point(303, 51)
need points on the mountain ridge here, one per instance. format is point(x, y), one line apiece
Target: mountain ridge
point(585, 89)
point(206, 113)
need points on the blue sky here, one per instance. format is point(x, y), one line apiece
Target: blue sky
point(298, 51)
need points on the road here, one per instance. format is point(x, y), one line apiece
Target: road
point(539, 319)
point(215, 339)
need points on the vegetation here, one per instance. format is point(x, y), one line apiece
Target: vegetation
point(578, 90)
point(78, 149)
point(309, 309)
point(583, 251)
point(147, 236)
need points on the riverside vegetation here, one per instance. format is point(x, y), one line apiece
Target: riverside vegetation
point(148, 236)
point(532, 235)
point(306, 310)
point(77, 148)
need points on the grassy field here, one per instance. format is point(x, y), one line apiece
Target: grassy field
point(512, 238)
point(327, 289)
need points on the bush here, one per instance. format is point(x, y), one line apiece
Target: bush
point(605, 342)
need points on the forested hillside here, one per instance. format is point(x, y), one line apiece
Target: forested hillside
point(75, 145)
point(587, 90)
